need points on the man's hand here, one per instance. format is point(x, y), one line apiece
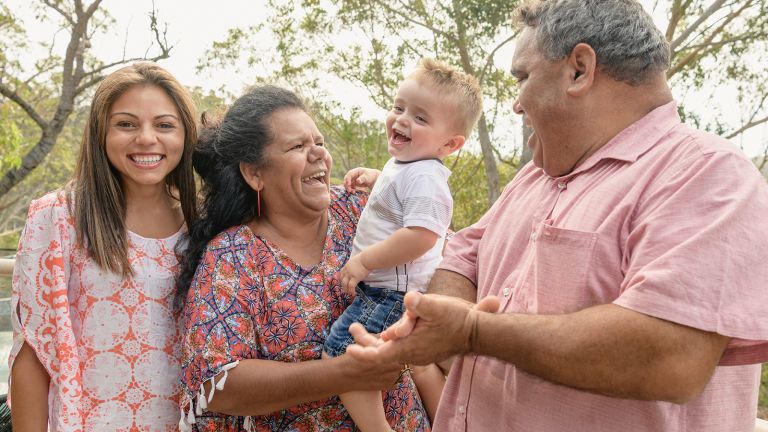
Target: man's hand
point(405, 324)
point(352, 273)
point(434, 328)
point(360, 178)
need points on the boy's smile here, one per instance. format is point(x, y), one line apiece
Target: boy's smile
point(420, 123)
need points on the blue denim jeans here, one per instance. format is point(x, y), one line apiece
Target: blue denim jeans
point(374, 308)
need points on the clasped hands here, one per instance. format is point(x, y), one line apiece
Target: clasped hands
point(433, 328)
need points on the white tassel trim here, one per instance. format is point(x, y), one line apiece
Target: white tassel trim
point(248, 424)
point(199, 403)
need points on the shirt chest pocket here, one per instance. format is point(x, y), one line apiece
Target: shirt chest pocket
point(556, 281)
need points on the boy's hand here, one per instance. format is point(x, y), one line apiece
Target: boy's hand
point(360, 178)
point(352, 273)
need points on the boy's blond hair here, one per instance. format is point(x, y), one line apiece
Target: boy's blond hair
point(463, 88)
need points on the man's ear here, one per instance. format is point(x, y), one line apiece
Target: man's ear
point(251, 175)
point(582, 66)
point(455, 143)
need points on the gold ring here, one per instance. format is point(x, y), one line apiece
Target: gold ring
point(406, 370)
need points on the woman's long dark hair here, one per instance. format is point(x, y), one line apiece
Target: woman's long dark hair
point(241, 135)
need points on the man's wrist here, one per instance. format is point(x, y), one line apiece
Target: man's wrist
point(473, 320)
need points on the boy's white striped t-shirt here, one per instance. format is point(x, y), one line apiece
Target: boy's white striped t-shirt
point(406, 194)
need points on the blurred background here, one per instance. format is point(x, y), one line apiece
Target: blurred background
point(346, 58)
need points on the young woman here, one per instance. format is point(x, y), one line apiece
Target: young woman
point(96, 338)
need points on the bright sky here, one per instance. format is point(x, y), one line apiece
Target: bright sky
point(193, 25)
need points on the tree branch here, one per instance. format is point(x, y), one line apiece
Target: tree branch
point(749, 125)
point(96, 78)
point(12, 95)
point(96, 74)
point(489, 58)
point(675, 14)
point(40, 71)
point(694, 54)
point(433, 29)
point(765, 159)
point(61, 11)
point(714, 7)
point(92, 8)
point(723, 42)
point(461, 43)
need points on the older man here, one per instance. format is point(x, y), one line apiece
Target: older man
point(630, 258)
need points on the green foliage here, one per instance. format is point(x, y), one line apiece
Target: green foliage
point(763, 400)
point(210, 101)
point(12, 39)
point(469, 188)
point(10, 141)
point(370, 43)
point(351, 140)
point(52, 174)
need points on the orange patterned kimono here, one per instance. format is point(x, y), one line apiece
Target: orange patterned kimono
point(110, 344)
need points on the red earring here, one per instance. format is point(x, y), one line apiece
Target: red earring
point(258, 203)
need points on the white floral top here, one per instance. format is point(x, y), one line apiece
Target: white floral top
point(110, 344)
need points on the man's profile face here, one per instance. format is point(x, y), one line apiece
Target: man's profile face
point(542, 101)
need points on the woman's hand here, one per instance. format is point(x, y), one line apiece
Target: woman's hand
point(360, 178)
point(352, 273)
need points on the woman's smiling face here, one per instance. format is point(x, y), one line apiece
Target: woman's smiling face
point(296, 176)
point(145, 136)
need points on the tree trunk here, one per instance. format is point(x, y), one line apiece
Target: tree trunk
point(72, 76)
point(31, 161)
point(491, 172)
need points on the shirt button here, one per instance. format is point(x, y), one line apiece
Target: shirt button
point(506, 292)
point(533, 236)
point(462, 410)
point(561, 185)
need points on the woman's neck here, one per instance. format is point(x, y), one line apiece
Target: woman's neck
point(300, 239)
point(152, 212)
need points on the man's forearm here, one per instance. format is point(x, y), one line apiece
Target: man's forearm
point(452, 284)
point(604, 349)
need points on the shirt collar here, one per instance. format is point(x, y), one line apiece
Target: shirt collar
point(639, 137)
point(399, 162)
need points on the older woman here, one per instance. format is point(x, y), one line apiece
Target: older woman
point(263, 285)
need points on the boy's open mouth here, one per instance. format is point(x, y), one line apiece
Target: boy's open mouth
point(398, 138)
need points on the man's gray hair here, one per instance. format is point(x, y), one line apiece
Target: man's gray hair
point(628, 45)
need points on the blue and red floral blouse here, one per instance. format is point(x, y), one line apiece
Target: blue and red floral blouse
point(249, 300)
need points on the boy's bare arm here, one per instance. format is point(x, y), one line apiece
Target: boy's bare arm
point(403, 246)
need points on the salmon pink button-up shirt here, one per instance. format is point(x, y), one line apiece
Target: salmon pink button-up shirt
point(663, 220)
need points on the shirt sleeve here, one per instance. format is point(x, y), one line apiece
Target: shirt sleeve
point(348, 206)
point(219, 328)
point(427, 203)
point(39, 302)
point(460, 253)
point(697, 253)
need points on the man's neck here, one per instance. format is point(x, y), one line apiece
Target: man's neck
point(615, 107)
